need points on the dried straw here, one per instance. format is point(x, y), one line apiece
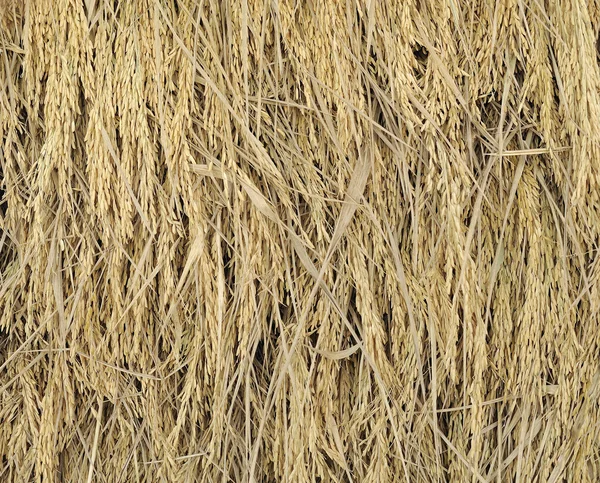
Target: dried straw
point(299, 241)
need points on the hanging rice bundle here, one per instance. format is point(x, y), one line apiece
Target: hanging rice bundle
point(324, 241)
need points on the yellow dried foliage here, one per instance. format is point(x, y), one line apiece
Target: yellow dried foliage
point(326, 241)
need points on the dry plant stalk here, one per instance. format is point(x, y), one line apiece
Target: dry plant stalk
point(327, 241)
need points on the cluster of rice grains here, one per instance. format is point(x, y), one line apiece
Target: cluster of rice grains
point(324, 241)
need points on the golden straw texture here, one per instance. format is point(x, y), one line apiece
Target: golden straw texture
point(299, 241)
